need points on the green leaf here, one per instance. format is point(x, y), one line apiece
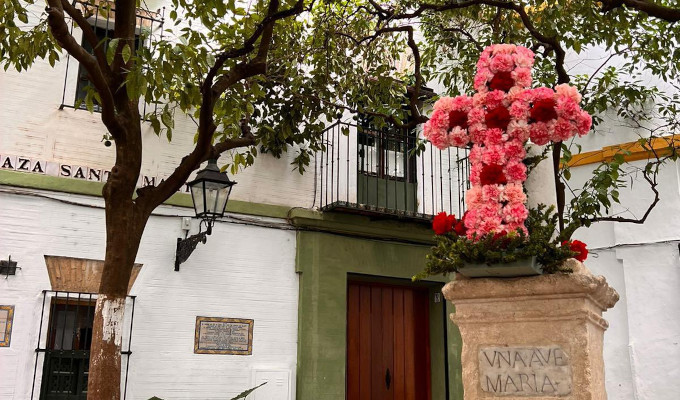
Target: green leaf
point(245, 394)
point(111, 50)
point(126, 53)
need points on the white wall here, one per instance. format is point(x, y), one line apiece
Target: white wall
point(31, 125)
point(242, 271)
point(642, 262)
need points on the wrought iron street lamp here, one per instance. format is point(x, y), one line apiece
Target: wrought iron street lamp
point(210, 193)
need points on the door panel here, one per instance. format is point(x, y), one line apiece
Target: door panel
point(388, 350)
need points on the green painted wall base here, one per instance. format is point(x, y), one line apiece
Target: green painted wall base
point(324, 261)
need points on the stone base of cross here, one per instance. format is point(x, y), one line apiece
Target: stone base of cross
point(496, 122)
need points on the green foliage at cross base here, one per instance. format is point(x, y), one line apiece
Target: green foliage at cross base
point(453, 252)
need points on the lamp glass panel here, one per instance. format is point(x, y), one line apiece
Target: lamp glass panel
point(197, 195)
point(214, 198)
point(223, 197)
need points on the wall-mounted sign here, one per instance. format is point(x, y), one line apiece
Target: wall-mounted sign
point(223, 336)
point(85, 173)
point(6, 317)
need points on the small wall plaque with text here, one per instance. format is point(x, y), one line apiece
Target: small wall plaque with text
point(525, 371)
point(223, 336)
point(6, 317)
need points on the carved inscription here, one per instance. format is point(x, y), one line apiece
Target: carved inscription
point(525, 371)
point(223, 336)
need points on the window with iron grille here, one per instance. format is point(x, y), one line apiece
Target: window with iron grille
point(67, 353)
point(64, 341)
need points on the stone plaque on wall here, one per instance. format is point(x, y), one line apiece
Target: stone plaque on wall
point(525, 371)
point(6, 317)
point(223, 336)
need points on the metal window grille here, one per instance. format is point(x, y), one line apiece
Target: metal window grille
point(381, 172)
point(101, 16)
point(64, 341)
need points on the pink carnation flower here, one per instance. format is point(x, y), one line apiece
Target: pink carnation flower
point(490, 210)
point(439, 119)
point(489, 225)
point(515, 213)
point(477, 133)
point(568, 91)
point(502, 48)
point(493, 155)
point(462, 103)
point(479, 99)
point(519, 110)
point(539, 134)
point(458, 137)
point(583, 123)
point(444, 104)
point(475, 171)
point(522, 77)
point(563, 130)
point(516, 171)
point(541, 93)
point(493, 136)
point(473, 197)
point(476, 115)
point(567, 108)
point(514, 149)
point(494, 99)
point(502, 62)
point(491, 193)
point(475, 155)
point(514, 193)
point(518, 130)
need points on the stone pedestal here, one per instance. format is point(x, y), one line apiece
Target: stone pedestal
point(538, 337)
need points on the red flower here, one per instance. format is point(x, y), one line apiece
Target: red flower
point(502, 81)
point(501, 238)
point(458, 118)
point(498, 117)
point(492, 175)
point(443, 223)
point(460, 228)
point(543, 110)
point(577, 247)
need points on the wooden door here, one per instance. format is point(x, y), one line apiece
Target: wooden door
point(388, 346)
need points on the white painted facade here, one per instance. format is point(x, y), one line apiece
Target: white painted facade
point(223, 278)
point(247, 267)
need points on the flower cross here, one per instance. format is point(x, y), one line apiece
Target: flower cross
point(498, 120)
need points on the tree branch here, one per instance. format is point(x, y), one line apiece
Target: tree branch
point(655, 10)
point(88, 34)
point(100, 80)
point(151, 197)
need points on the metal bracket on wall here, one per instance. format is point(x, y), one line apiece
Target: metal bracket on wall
point(187, 246)
point(8, 267)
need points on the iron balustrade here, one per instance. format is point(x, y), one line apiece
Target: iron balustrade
point(65, 344)
point(389, 172)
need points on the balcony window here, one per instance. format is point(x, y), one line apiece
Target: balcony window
point(380, 172)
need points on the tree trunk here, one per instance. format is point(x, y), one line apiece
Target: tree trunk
point(125, 224)
point(123, 238)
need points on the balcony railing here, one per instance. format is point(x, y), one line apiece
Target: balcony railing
point(387, 172)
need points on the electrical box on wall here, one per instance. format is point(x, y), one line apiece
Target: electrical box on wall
point(278, 385)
